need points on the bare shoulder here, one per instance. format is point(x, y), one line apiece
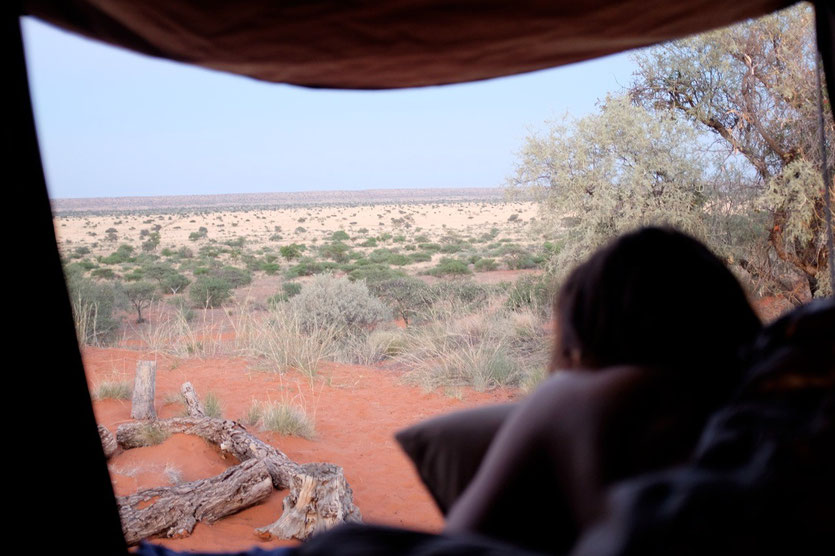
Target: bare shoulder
point(571, 399)
point(581, 385)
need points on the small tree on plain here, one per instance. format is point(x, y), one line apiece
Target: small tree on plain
point(140, 294)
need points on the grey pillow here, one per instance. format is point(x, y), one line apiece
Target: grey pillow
point(447, 450)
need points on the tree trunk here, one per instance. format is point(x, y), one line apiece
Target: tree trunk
point(143, 391)
point(108, 442)
point(173, 511)
point(319, 499)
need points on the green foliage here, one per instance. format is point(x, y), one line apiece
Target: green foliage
point(210, 291)
point(420, 257)
point(92, 306)
point(620, 168)
point(211, 406)
point(105, 273)
point(485, 265)
point(374, 273)
point(234, 276)
point(290, 252)
point(113, 390)
point(335, 250)
point(308, 267)
point(121, 255)
point(173, 283)
point(337, 301)
point(531, 292)
point(461, 292)
point(450, 267)
point(406, 296)
point(237, 242)
point(340, 235)
point(288, 290)
point(287, 420)
point(140, 294)
point(270, 268)
point(754, 88)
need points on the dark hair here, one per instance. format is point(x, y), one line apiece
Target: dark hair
point(655, 297)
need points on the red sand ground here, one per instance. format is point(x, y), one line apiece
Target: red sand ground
point(357, 409)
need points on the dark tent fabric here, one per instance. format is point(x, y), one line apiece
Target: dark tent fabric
point(388, 44)
point(60, 486)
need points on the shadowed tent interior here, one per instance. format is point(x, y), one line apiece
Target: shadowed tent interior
point(315, 43)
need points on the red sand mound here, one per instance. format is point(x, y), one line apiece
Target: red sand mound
point(356, 410)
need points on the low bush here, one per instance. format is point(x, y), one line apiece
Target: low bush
point(335, 300)
point(531, 292)
point(287, 420)
point(450, 267)
point(114, 390)
point(485, 265)
point(210, 291)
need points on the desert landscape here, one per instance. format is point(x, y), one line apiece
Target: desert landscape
point(323, 328)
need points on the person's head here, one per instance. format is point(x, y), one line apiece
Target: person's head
point(655, 297)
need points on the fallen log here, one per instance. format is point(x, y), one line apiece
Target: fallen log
point(231, 437)
point(108, 442)
point(319, 499)
point(174, 511)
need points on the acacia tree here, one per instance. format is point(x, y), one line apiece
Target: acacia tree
point(140, 294)
point(612, 171)
point(754, 87)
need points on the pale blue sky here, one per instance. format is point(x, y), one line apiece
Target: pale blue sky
point(114, 123)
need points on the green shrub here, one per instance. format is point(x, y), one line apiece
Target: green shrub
point(271, 269)
point(340, 235)
point(105, 273)
point(92, 306)
point(468, 293)
point(211, 405)
point(374, 273)
point(210, 291)
point(420, 257)
point(236, 277)
point(308, 267)
point(447, 267)
point(121, 255)
point(380, 255)
point(290, 252)
point(398, 260)
point(405, 296)
point(521, 261)
point(289, 289)
point(485, 265)
point(335, 250)
point(533, 292)
point(287, 420)
point(114, 390)
point(337, 301)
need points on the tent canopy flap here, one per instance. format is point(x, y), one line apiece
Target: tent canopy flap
point(391, 43)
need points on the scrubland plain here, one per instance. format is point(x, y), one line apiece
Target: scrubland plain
point(324, 328)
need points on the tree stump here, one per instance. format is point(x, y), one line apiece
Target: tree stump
point(108, 442)
point(193, 405)
point(143, 391)
point(174, 511)
point(319, 499)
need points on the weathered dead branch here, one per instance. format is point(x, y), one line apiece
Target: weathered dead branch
point(173, 511)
